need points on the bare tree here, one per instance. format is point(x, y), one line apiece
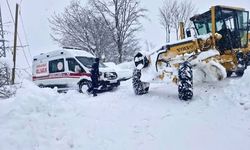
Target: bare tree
point(122, 17)
point(186, 9)
point(173, 12)
point(166, 16)
point(149, 46)
point(78, 26)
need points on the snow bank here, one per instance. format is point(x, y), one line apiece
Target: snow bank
point(43, 119)
point(33, 119)
point(239, 90)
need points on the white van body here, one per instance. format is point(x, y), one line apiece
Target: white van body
point(66, 68)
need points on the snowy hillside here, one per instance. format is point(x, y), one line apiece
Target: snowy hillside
point(218, 117)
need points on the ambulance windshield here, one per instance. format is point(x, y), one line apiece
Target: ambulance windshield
point(88, 61)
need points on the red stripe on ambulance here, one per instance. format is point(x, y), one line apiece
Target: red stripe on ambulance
point(61, 75)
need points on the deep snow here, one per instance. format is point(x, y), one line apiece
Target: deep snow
point(218, 117)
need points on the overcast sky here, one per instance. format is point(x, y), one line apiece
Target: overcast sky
point(35, 14)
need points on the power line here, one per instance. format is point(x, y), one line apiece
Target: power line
point(10, 10)
point(13, 20)
point(25, 33)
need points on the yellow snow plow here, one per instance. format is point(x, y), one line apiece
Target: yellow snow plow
point(232, 25)
point(219, 48)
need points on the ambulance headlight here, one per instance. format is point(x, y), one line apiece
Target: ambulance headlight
point(110, 75)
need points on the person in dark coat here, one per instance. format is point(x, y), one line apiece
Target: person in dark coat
point(94, 77)
point(225, 42)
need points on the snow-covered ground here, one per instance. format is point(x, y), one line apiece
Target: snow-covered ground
point(218, 118)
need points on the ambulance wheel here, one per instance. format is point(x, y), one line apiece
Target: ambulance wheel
point(185, 82)
point(41, 86)
point(84, 86)
point(139, 87)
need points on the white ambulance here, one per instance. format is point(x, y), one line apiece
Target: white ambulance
point(70, 69)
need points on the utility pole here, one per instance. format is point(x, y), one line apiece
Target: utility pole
point(15, 46)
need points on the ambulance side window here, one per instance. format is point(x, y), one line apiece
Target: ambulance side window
point(56, 66)
point(74, 66)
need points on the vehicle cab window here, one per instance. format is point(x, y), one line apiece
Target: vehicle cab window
point(74, 66)
point(242, 18)
point(56, 66)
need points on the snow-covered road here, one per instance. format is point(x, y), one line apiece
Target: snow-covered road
point(218, 118)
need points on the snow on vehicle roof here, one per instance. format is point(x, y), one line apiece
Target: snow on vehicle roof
point(164, 45)
point(67, 52)
point(203, 37)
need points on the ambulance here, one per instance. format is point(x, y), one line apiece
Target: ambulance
point(69, 68)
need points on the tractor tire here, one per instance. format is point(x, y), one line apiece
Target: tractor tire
point(248, 59)
point(185, 82)
point(139, 87)
point(240, 73)
point(229, 73)
point(242, 64)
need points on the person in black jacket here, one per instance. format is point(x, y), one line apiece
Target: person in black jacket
point(225, 42)
point(94, 77)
